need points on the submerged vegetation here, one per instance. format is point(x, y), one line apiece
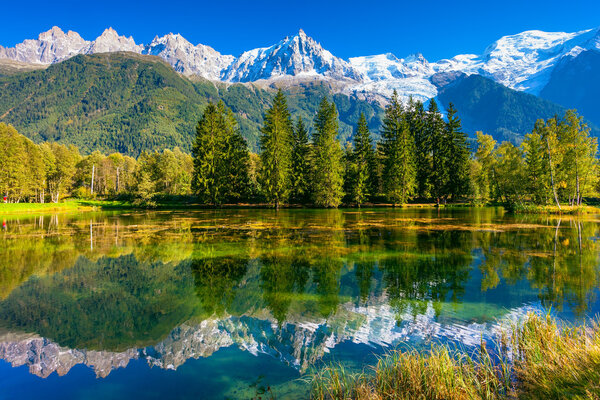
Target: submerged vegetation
point(536, 359)
point(115, 281)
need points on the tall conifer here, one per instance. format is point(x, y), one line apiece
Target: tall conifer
point(363, 157)
point(398, 146)
point(438, 149)
point(458, 155)
point(416, 122)
point(300, 163)
point(220, 157)
point(276, 152)
point(328, 168)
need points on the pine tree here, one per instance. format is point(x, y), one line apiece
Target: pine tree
point(220, 157)
point(363, 157)
point(416, 121)
point(458, 155)
point(535, 166)
point(398, 146)
point(349, 171)
point(437, 146)
point(328, 168)
point(300, 163)
point(236, 158)
point(276, 152)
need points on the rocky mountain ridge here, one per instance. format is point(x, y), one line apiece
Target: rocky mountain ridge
point(523, 61)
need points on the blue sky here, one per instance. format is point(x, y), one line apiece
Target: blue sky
point(438, 29)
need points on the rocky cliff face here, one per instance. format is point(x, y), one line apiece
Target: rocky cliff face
point(187, 58)
point(50, 47)
point(298, 55)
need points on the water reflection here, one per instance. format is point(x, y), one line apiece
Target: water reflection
point(105, 289)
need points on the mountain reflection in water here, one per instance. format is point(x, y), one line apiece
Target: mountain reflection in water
point(105, 289)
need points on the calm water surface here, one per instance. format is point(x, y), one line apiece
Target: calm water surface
point(245, 303)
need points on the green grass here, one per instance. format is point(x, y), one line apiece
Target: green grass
point(66, 206)
point(538, 359)
point(19, 208)
point(553, 209)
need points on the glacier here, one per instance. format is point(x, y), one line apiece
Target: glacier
point(522, 61)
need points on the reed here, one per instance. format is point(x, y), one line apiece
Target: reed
point(538, 358)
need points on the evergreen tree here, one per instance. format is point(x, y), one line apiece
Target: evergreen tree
point(416, 121)
point(276, 152)
point(349, 171)
point(236, 158)
point(220, 157)
point(300, 163)
point(398, 147)
point(328, 167)
point(437, 146)
point(363, 157)
point(458, 155)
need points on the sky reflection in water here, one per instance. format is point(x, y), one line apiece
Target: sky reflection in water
point(228, 303)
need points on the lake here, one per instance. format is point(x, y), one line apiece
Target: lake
point(246, 303)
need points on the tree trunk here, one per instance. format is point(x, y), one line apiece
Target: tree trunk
point(92, 183)
point(117, 186)
point(578, 198)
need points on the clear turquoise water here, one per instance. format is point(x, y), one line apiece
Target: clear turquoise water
point(246, 303)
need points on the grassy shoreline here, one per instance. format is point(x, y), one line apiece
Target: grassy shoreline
point(537, 359)
point(189, 203)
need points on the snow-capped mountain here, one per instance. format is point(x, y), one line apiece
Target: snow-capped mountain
point(50, 47)
point(298, 344)
point(524, 61)
point(385, 73)
point(110, 41)
point(54, 46)
point(298, 55)
point(189, 59)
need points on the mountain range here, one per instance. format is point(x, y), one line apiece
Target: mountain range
point(526, 76)
point(298, 344)
point(524, 61)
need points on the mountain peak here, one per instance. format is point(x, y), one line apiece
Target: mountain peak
point(299, 55)
point(51, 33)
point(109, 32)
point(110, 41)
point(187, 58)
point(417, 57)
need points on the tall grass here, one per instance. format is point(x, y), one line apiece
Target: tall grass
point(537, 359)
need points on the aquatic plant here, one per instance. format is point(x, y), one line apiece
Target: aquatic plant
point(540, 358)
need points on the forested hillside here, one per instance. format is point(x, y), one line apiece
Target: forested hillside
point(575, 83)
point(506, 114)
point(129, 103)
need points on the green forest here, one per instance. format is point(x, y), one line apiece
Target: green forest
point(419, 157)
point(130, 103)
